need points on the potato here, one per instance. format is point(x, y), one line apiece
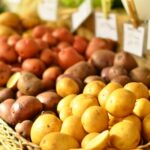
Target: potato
point(95, 119)
point(13, 39)
point(6, 93)
point(64, 56)
point(58, 141)
point(120, 103)
point(102, 58)
point(5, 110)
point(44, 124)
point(124, 135)
point(63, 34)
point(29, 84)
point(141, 74)
point(34, 65)
point(65, 113)
point(49, 99)
point(81, 70)
point(115, 71)
point(24, 128)
point(11, 56)
point(5, 73)
point(146, 128)
point(5, 30)
point(41, 44)
point(72, 126)
point(25, 107)
point(26, 48)
point(122, 79)
point(48, 38)
point(105, 74)
point(63, 45)
point(94, 45)
point(47, 56)
point(126, 60)
point(91, 78)
point(99, 142)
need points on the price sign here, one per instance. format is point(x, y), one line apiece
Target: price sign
point(148, 38)
point(134, 39)
point(106, 27)
point(83, 12)
point(47, 10)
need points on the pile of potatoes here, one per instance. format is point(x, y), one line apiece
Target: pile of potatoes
point(54, 88)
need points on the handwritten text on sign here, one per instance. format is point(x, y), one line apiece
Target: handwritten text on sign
point(133, 39)
point(106, 28)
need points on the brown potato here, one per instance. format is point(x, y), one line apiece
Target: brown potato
point(91, 78)
point(24, 128)
point(5, 73)
point(125, 60)
point(81, 70)
point(122, 79)
point(29, 84)
point(6, 93)
point(116, 71)
point(41, 44)
point(25, 107)
point(49, 99)
point(105, 74)
point(34, 65)
point(141, 74)
point(5, 110)
point(13, 39)
point(102, 58)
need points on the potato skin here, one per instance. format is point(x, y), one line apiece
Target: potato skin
point(25, 107)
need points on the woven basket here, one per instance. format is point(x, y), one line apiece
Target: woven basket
point(13, 141)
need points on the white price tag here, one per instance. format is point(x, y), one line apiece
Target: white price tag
point(106, 28)
point(148, 38)
point(133, 39)
point(47, 10)
point(82, 14)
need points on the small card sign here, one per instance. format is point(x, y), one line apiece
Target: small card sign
point(148, 38)
point(83, 12)
point(134, 39)
point(106, 27)
point(47, 10)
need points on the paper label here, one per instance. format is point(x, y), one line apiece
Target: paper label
point(148, 38)
point(47, 10)
point(83, 12)
point(106, 28)
point(134, 39)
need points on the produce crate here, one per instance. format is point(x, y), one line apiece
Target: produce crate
point(10, 140)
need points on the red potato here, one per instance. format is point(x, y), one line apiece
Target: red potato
point(94, 45)
point(26, 48)
point(47, 56)
point(40, 30)
point(5, 73)
point(48, 38)
point(68, 57)
point(5, 110)
point(13, 39)
point(80, 44)
point(16, 67)
point(48, 84)
point(41, 44)
point(8, 53)
point(34, 65)
point(3, 39)
point(111, 44)
point(63, 34)
point(105, 74)
point(63, 45)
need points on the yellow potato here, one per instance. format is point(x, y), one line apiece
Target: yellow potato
point(43, 125)
point(58, 141)
point(99, 142)
point(146, 127)
point(135, 120)
point(93, 88)
point(65, 102)
point(81, 102)
point(142, 107)
point(88, 138)
point(139, 89)
point(120, 103)
point(124, 135)
point(95, 119)
point(113, 120)
point(73, 127)
point(106, 91)
point(65, 112)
